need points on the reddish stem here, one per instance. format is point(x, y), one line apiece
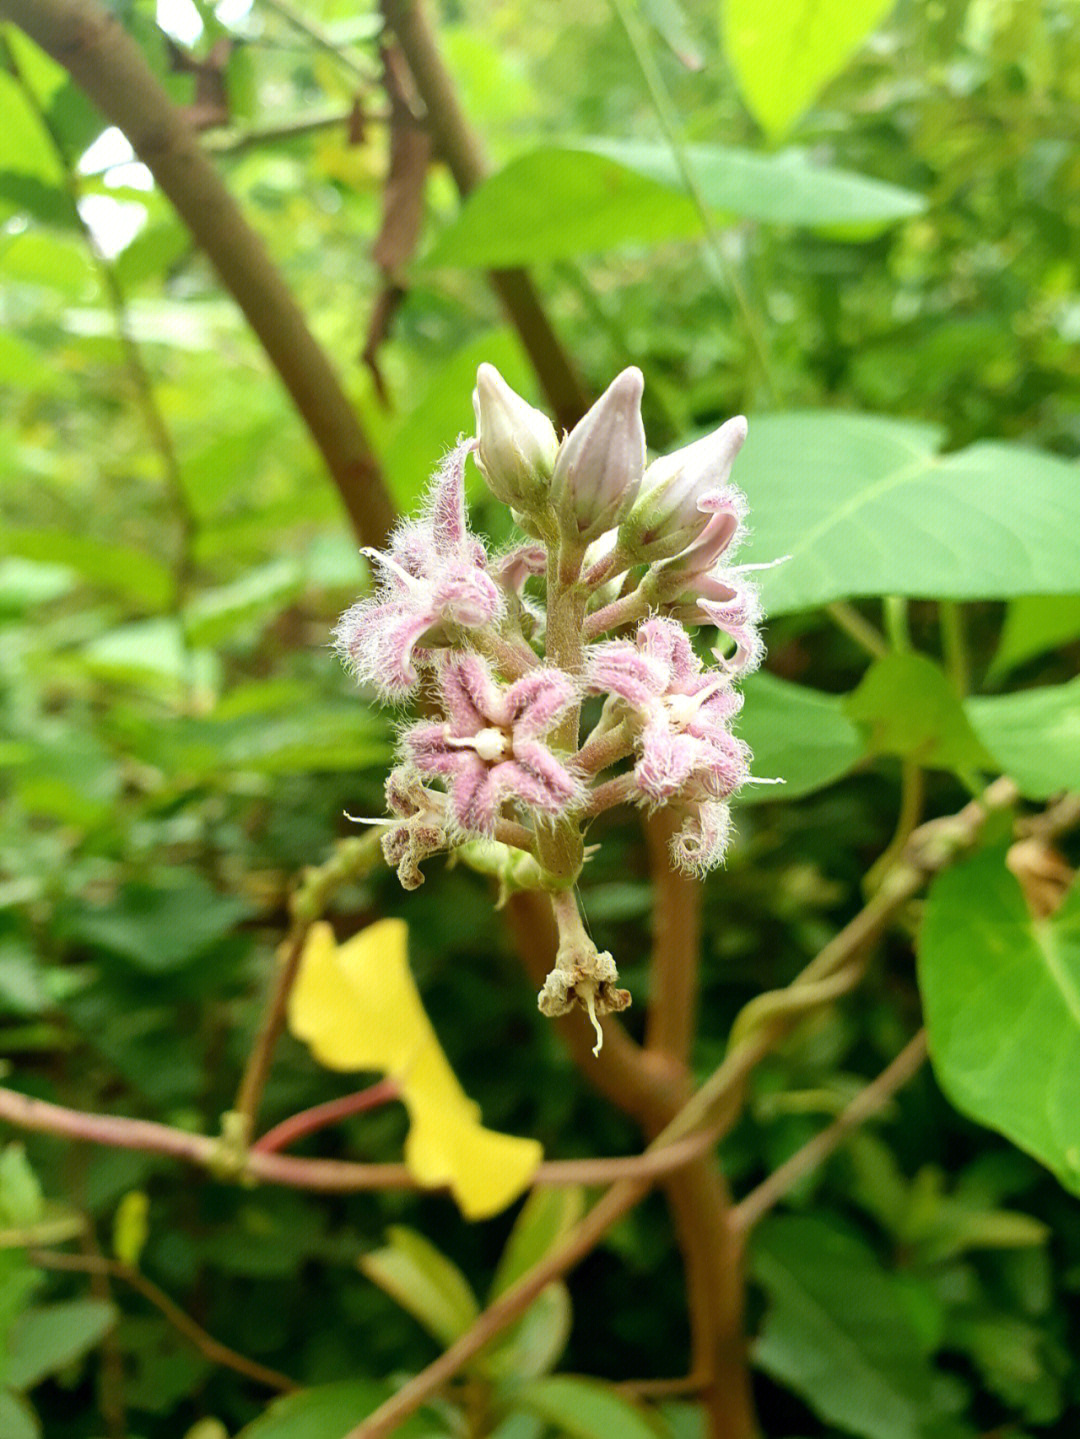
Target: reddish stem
point(321, 1116)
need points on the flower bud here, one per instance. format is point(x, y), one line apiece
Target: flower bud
point(516, 445)
point(601, 461)
point(679, 492)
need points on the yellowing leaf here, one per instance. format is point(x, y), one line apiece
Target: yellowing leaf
point(357, 1007)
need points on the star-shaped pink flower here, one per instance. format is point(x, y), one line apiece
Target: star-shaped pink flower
point(490, 748)
point(432, 581)
point(683, 711)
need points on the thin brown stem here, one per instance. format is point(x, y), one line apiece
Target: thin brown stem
point(459, 146)
point(211, 1348)
point(327, 1176)
point(868, 1102)
point(322, 1116)
point(104, 60)
point(673, 986)
point(257, 1070)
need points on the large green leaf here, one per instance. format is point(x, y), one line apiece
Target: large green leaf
point(836, 1333)
point(1001, 992)
point(1033, 625)
point(584, 1409)
point(910, 709)
point(129, 572)
point(798, 735)
point(784, 52)
point(327, 1412)
point(47, 1338)
point(555, 203)
point(545, 1217)
point(788, 188)
point(422, 1280)
point(1034, 735)
point(865, 505)
point(17, 1418)
point(162, 927)
point(590, 196)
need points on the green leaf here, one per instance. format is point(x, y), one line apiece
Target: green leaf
point(534, 1344)
point(17, 1417)
point(131, 573)
point(1033, 625)
point(131, 1226)
point(254, 599)
point(910, 709)
point(422, 1280)
point(1034, 735)
point(545, 1217)
point(154, 653)
point(835, 1332)
point(510, 218)
point(442, 409)
point(613, 193)
point(328, 1411)
point(159, 928)
point(1001, 992)
point(47, 1338)
point(784, 52)
point(21, 1202)
point(864, 505)
point(584, 1409)
point(789, 188)
point(25, 146)
point(798, 735)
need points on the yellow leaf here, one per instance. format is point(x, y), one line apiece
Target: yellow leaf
point(357, 1007)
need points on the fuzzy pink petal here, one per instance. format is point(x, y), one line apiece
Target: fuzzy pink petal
point(618, 667)
point(534, 702)
point(474, 797)
point(517, 565)
point(702, 841)
point(446, 500)
point(466, 596)
point(667, 761)
point(428, 745)
point(665, 641)
point(537, 778)
point(468, 692)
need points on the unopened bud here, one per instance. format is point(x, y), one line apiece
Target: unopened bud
point(601, 461)
point(516, 444)
point(680, 492)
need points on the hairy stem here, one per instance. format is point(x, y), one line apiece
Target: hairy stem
point(104, 60)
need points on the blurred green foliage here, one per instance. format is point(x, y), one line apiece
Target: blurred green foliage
point(893, 208)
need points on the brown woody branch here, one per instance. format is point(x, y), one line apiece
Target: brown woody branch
point(104, 60)
point(456, 143)
point(866, 1103)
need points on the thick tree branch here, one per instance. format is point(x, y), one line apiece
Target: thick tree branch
point(104, 60)
point(459, 146)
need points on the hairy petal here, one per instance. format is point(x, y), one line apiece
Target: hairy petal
point(667, 761)
point(534, 702)
point(702, 841)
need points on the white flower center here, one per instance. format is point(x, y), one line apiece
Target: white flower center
point(682, 708)
point(490, 744)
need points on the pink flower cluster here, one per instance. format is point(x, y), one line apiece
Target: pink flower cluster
point(620, 560)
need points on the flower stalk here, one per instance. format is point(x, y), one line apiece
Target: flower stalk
point(619, 562)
